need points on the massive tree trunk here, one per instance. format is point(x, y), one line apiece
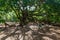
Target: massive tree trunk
point(23, 19)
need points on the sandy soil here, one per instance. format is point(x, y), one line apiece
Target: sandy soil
point(13, 33)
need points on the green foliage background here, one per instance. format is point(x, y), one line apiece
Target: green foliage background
point(49, 10)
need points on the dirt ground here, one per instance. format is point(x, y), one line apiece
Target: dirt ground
point(16, 33)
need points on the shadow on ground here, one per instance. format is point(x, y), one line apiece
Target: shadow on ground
point(17, 33)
